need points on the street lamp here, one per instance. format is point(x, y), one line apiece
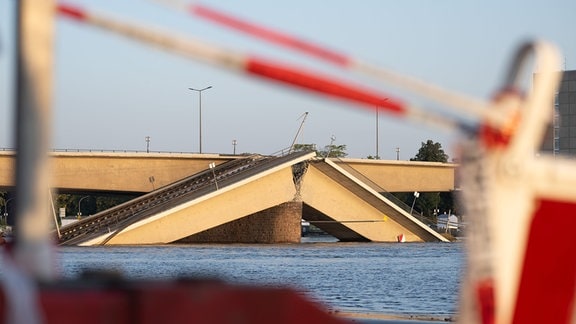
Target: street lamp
point(397, 153)
point(79, 202)
point(6, 210)
point(200, 114)
point(416, 195)
point(377, 144)
point(151, 179)
point(147, 138)
point(234, 142)
point(212, 166)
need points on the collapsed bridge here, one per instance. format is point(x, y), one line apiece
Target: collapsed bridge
point(254, 199)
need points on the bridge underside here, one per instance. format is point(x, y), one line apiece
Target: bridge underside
point(268, 208)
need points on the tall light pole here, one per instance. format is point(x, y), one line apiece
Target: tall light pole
point(377, 146)
point(397, 153)
point(147, 138)
point(416, 195)
point(6, 210)
point(200, 114)
point(212, 166)
point(234, 143)
point(79, 202)
point(151, 179)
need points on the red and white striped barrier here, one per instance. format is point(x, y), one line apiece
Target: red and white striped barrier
point(522, 214)
point(464, 104)
point(264, 68)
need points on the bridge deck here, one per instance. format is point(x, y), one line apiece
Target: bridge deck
point(132, 171)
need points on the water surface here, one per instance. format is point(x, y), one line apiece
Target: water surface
point(405, 278)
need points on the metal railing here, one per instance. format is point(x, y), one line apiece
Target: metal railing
point(283, 151)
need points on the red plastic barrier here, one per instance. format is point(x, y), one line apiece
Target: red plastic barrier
point(117, 301)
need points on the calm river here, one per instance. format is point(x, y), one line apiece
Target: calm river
point(381, 278)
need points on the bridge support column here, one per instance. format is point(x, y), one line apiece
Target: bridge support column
point(279, 224)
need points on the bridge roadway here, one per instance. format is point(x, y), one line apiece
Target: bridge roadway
point(143, 172)
point(255, 199)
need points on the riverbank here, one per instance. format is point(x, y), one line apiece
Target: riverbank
point(392, 318)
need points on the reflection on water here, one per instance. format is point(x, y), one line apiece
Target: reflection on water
point(407, 278)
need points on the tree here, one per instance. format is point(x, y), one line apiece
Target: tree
point(431, 152)
point(304, 147)
point(95, 202)
point(332, 151)
point(428, 202)
point(107, 201)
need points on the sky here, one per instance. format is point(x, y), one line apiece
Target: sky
point(110, 92)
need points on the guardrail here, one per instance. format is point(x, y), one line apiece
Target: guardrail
point(81, 150)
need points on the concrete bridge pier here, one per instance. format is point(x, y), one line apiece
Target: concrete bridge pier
point(279, 224)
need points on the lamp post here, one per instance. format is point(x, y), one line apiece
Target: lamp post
point(6, 210)
point(79, 202)
point(377, 144)
point(416, 195)
point(151, 179)
point(234, 142)
point(200, 114)
point(147, 138)
point(397, 153)
point(212, 166)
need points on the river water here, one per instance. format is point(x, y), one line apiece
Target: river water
point(378, 278)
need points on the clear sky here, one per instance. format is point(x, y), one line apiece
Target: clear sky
point(110, 92)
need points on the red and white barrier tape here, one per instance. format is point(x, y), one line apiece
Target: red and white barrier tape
point(264, 68)
point(463, 104)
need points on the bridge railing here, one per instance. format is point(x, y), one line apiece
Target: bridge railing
point(103, 150)
point(281, 152)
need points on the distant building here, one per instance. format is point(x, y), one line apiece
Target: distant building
point(561, 136)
